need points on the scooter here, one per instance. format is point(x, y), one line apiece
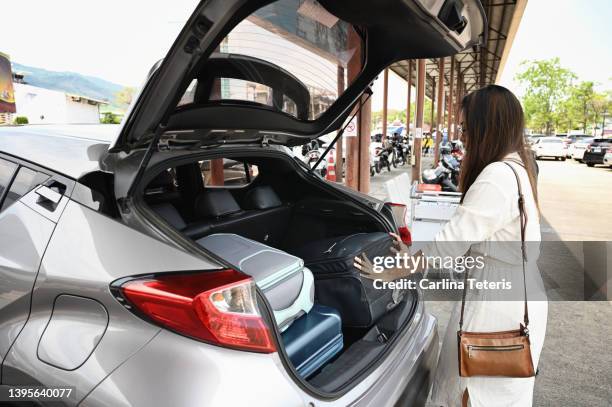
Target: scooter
point(384, 158)
point(400, 152)
point(373, 163)
point(311, 154)
point(457, 150)
point(446, 174)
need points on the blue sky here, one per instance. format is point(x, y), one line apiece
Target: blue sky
point(578, 32)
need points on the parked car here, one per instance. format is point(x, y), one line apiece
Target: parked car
point(532, 138)
point(571, 140)
point(579, 147)
point(549, 147)
point(596, 151)
point(103, 284)
point(608, 159)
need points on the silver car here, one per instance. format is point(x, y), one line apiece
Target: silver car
point(106, 293)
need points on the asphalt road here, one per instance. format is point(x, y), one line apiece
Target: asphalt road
point(575, 200)
point(576, 362)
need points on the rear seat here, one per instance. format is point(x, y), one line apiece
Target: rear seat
point(262, 217)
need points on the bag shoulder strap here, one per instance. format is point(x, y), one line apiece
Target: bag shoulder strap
point(523, 224)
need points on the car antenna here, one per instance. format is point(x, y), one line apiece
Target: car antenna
point(362, 101)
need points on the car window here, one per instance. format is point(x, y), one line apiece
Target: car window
point(25, 180)
point(552, 141)
point(235, 173)
point(7, 169)
point(289, 56)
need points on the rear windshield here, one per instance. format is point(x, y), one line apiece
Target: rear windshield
point(291, 56)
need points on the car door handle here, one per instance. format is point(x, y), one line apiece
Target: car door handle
point(47, 195)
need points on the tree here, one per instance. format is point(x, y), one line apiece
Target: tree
point(124, 96)
point(547, 87)
point(21, 120)
point(581, 99)
point(110, 118)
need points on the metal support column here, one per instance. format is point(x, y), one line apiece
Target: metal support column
point(409, 101)
point(385, 101)
point(440, 118)
point(451, 88)
point(358, 147)
point(339, 148)
point(420, 101)
point(365, 120)
point(433, 103)
point(457, 102)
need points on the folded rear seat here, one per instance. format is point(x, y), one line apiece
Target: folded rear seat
point(263, 219)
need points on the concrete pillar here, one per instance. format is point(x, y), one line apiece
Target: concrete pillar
point(420, 102)
point(358, 153)
point(365, 120)
point(451, 89)
point(433, 102)
point(440, 107)
point(385, 101)
point(216, 172)
point(409, 101)
point(456, 103)
point(339, 148)
point(216, 165)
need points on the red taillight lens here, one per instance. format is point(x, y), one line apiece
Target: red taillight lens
point(399, 214)
point(218, 307)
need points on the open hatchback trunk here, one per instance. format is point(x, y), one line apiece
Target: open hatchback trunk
point(204, 154)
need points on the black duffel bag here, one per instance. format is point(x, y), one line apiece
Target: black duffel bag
point(338, 283)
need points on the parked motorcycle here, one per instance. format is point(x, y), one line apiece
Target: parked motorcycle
point(457, 150)
point(385, 157)
point(446, 174)
point(401, 151)
point(311, 153)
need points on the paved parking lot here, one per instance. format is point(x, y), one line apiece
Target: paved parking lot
point(576, 206)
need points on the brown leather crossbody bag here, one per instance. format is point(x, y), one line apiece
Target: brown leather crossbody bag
point(505, 353)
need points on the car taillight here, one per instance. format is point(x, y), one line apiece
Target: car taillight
point(399, 214)
point(217, 307)
point(588, 147)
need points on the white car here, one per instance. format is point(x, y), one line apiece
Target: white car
point(571, 140)
point(549, 147)
point(579, 147)
point(607, 160)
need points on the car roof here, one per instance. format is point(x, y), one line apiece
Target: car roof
point(72, 150)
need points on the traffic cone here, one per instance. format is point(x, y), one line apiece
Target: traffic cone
point(331, 170)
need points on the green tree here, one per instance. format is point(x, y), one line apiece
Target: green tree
point(581, 100)
point(547, 86)
point(110, 118)
point(124, 96)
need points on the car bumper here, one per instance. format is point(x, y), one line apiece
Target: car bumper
point(593, 158)
point(177, 371)
point(550, 153)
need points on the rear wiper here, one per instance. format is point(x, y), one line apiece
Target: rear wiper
point(367, 91)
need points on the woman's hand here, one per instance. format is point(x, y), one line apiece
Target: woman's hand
point(366, 268)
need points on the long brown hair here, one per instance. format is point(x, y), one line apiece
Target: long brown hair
point(493, 126)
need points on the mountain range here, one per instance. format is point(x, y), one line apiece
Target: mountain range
point(69, 82)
